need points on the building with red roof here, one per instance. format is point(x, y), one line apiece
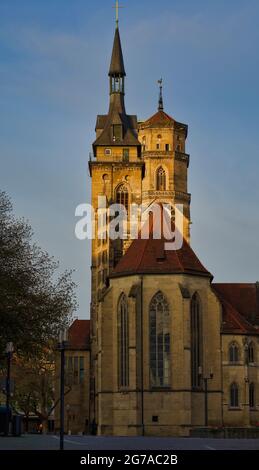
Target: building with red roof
point(171, 351)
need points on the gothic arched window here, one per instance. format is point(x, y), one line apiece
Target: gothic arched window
point(234, 395)
point(123, 342)
point(252, 395)
point(122, 196)
point(233, 352)
point(159, 341)
point(160, 179)
point(196, 341)
point(251, 353)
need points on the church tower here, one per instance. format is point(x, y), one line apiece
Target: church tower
point(116, 171)
point(166, 163)
point(133, 163)
point(166, 343)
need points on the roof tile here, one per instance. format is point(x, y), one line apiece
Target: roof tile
point(79, 335)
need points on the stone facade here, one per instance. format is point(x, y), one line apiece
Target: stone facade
point(177, 407)
point(200, 382)
point(77, 380)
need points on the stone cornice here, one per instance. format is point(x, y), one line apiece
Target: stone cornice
point(104, 165)
point(179, 156)
point(170, 194)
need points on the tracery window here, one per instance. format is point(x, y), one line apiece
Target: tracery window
point(234, 395)
point(122, 196)
point(159, 341)
point(160, 179)
point(196, 342)
point(252, 395)
point(233, 352)
point(251, 353)
point(123, 342)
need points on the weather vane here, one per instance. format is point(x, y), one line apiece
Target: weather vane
point(160, 102)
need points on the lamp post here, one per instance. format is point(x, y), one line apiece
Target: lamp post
point(9, 352)
point(205, 380)
point(62, 345)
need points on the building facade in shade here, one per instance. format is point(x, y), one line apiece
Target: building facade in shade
point(77, 380)
point(170, 350)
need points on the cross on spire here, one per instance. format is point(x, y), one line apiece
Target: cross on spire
point(117, 7)
point(117, 13)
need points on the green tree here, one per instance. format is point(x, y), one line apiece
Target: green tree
point(34, 388)
point(35, 301)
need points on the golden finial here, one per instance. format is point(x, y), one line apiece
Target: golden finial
point(117, 6)
point(117, 13)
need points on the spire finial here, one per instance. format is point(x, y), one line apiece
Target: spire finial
point(160, 102)
point(117, 13)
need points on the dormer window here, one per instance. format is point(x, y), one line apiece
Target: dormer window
point(117, 132)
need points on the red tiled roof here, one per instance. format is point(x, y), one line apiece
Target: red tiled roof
point(150, 257)
point(160, 119)
point(240, 307)
point(79, 335)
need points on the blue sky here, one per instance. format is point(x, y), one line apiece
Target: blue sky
point(54, 58)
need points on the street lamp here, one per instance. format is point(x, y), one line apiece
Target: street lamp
point(205, 380)
point(62, 345)
point(9, 352)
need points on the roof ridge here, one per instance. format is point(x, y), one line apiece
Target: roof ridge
point(141, 255)
point(147, 240)
point(235, 314)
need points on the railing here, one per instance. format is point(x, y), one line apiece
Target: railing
point(170, 153)
point(156, 194)
point(180, 156)
point(158, 153)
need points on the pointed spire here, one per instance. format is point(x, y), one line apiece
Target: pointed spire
point(160, 102)
point(117, 62)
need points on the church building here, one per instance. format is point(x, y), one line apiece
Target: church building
point(171, 351)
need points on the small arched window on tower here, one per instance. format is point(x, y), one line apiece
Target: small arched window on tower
point(233, 353)
point(158, 145)
point(159, 341)
point(196, 342)
point(143, 143)
point(251, 353)
point(160, 179)
point(122, 196)
point(234, 395)
point(123, 342)
point(117, 84)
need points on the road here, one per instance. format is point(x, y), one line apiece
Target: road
point(49, 442)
